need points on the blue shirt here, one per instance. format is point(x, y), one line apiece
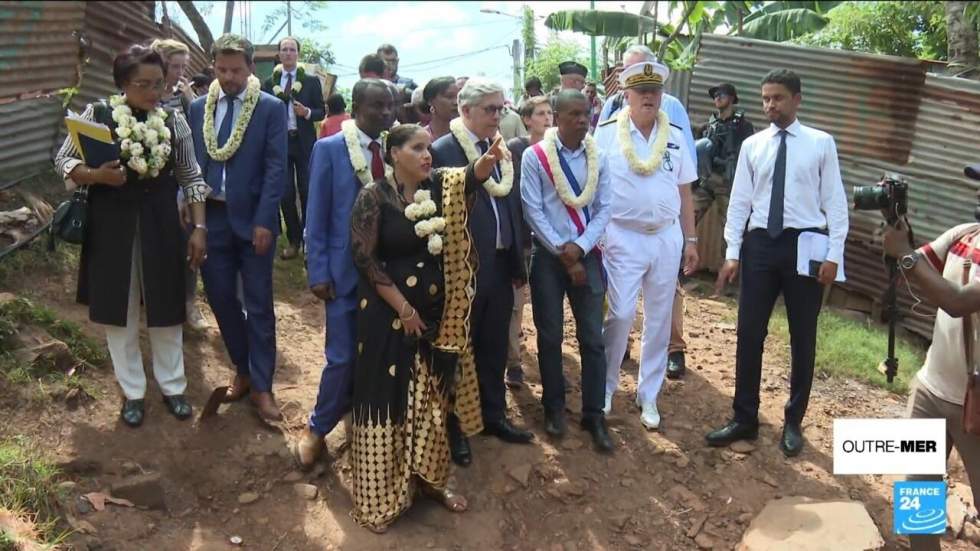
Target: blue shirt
point(544, 210)
point(670, 105)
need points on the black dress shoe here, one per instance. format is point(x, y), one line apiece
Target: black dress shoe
point(791, 443)
point(459, 445)
point(178, 406)
point(596, 426)
point(732, 432)
point(554, 423)
point(507, 432)
point(132, 412)
point(675, 365)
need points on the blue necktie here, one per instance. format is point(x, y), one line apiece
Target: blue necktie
point(775, 222)
point(216, 169)
point(503, 213)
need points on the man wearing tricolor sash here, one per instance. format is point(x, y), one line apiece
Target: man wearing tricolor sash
point(565, 193)
point(650, 174)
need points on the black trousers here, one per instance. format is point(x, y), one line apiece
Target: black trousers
point(768, 268)
point(298, 171)
point(489, 329)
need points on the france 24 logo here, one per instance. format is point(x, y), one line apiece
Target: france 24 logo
point(920, 507)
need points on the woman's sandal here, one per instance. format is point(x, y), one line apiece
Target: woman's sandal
point(448, 498)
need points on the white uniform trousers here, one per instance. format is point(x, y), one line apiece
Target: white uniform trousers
point(635, 261)
point(166, 344)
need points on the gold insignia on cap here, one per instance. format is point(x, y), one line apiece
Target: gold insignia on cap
point(647, 77)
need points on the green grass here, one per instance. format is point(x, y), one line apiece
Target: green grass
point(847, 348)
point(288, 275)
point(34, 261)
point(28, 486)
point(84, 350)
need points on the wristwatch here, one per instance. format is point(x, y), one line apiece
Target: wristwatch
point(201, 227)
point(908, 261)
point(692, 240)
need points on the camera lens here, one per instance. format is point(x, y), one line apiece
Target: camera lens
point(871, 198)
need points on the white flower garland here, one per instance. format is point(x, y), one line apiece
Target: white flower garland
point(252, 91)
point(496, 189)
point(357, 160)
point(145, 146)
point(651, 165)
point(562, 187)
point(297, 85)
point(422, 211)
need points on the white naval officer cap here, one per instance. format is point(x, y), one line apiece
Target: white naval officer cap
point(644, 73)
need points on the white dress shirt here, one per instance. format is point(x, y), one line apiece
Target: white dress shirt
point(646, 201)
point(813, 194)
point(365, 141)
point(219, 116)
point(493, 202)
point(290, 113)
point(544, 210)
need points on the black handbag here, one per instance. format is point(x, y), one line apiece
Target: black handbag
point(70, 220)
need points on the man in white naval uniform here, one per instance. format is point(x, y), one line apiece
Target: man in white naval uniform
point(651, 231)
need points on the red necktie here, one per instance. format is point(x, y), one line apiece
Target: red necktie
point(377, 163)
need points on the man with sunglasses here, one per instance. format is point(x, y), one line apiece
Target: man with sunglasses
point(495, 221)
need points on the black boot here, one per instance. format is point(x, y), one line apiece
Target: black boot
point(596, 426)
point(554, 423)
point(791, 443)
point(459, 445)
point(732, 432)
point(675, 365)
point(132, 412)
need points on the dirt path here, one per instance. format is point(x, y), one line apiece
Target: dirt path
point(658, 491)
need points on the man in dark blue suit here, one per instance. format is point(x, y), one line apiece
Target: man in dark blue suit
point(334, 184)
point(241, 147)
point(495, 226)
point(302, 99)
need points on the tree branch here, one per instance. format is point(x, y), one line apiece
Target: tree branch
point(204, 36)
point(677, 30)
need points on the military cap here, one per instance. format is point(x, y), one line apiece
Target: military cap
point(572, 68)
point(644, 73)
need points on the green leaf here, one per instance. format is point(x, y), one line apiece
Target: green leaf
point(600, 23)
point(784, 25)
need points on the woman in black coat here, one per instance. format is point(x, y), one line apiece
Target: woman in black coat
point(133, 251)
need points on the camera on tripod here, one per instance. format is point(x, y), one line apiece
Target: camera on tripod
point(890, 195)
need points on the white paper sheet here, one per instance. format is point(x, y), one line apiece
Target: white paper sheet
point(814, 246)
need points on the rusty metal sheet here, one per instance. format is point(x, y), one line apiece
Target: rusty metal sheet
point(867, 102)
point(38, 52)
point(29, 134)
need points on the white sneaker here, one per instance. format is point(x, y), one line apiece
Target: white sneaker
point(608, 407)
point(650, 418)
point(195, 319)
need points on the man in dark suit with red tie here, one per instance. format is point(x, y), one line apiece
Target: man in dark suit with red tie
point(302, 97)
point(495, 226)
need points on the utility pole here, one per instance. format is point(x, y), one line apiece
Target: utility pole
point(515, 52)
point(289, 19)
point(594, 70)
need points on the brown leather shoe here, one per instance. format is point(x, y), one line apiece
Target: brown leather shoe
point(238, 389)
point(266, 406)
point(308, 449)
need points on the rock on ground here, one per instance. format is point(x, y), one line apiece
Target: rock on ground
point(802, 524)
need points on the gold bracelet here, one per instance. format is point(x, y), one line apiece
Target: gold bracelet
point(401, 311)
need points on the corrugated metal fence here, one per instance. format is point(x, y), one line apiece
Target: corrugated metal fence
point(46, 47)
point(886, 114)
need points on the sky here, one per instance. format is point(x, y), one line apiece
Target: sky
point(433, 38)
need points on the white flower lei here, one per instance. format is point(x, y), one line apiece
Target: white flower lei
point(562, 187)
point(357, 160)
point(422, 211)
point(252, 91)
point(297, 85)
point(651, 165)
point(145, 146)
point(506, 168)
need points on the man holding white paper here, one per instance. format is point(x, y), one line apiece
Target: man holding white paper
point(787, 183)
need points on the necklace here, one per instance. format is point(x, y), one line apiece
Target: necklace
point(651, 165)
point(496, 189)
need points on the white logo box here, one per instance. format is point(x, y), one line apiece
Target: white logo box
point(890, 446)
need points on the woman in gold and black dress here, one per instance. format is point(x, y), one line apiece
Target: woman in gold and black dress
point(411, 248)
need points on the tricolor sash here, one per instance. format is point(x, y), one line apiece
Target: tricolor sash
point(580, 217)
